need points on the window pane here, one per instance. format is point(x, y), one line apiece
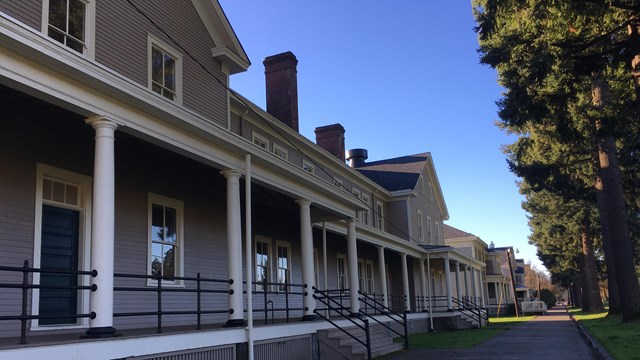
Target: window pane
point(76, 19)
point(168, 268)
point(75, 45)
point(156, 266)
point(169, 72)
point(156, 65)
point(157, 223)
point(58, 192)
point(46, 189)
point(58, 14)
point(168, 94)
point(72, 195)
point(261, 274)
point(170, 225)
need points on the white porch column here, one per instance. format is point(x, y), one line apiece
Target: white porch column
point(103, 228)
point(352, 264)
point(405, 282)
point(458, 286)
point(383, 276)
point(424, 283)
point(447, 277)
point(308, 278)
point(466, 280)
point(234, 249)
point(474, 288)
point(484, 290)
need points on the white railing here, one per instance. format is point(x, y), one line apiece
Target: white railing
point(534, 307)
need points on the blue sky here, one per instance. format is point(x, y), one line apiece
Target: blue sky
point(402, 77)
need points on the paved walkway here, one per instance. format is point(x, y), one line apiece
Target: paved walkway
point(552, 336)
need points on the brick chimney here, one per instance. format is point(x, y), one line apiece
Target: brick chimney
point(331, 138)
point(281, 78)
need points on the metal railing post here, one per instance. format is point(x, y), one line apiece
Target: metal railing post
point(199, 307)
point(159, 294)
point(25, 289)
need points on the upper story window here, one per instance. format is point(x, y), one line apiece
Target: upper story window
point(428, 230)
point(430, 191)
point(379, 215)
point(165, 70)
point(338, 182)
point(421, 185)
point(280, 152)
point(437, 231)
point(71, 23)
point(260, 141)
point(165, 237)
point(308, 167)
point(420, 226)
point(365, 213)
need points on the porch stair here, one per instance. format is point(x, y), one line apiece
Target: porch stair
point(335, 344)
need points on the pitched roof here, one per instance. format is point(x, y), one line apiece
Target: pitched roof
point(401, 173)
point(452, 233)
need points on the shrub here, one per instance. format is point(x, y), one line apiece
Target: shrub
point(548, 297)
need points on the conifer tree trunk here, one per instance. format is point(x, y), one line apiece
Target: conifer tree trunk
point(613, 206)
point(592, 302)
point(614, 298)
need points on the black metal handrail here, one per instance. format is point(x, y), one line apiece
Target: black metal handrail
point(268, 296)
point(386, 311)
point(25, 286)
point(326, 299)
point(161, 287)
point(463, 306)
point(473, 305)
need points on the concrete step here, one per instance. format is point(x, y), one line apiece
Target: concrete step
point(381, 342)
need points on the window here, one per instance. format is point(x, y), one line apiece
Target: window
point(368, 277)
point(361, 274)
point(338, 182)
point(260, 141)
point(430, 191)
point(308, 167)
point(165, 70)
point(365, 213)
point(284, 265)
point(428, 230)
point(379, 215)
point(71, 23)
point(420, 227)
point(342, 272)
point(165, 237)
point(437, 231)
point(280, 152)
point(421, 185)
point(263, 275)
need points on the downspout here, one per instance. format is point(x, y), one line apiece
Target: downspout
point(249, 256)
point(324, 260)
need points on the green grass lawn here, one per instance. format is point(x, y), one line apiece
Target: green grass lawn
point(622, 340)
point(462, 339)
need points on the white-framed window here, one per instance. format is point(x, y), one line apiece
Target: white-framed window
point(338, 182)
point(263, 262)
point(165, 70)
point(308, 167)
point(420, 226)
point(421, 185)
point(342, 271)
point(430, 191)
point(260, 141)
point(365, 213)
point(379, 215)
point(437, 231)
point(283, 260)
point(316, 268)
point(66, 198)
point(429, 230)
point(368, 277)
point(165, 238)
point(280, 152)
point(361, 274)
point(71, 23)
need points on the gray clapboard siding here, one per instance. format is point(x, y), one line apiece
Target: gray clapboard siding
point(28, 12)
point(121, 44)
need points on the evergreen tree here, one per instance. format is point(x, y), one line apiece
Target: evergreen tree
point(572, 67)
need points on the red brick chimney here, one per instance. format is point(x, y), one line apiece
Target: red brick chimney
point(331, 138)
point(281, 78)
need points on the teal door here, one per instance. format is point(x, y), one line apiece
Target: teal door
point(59, 252)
